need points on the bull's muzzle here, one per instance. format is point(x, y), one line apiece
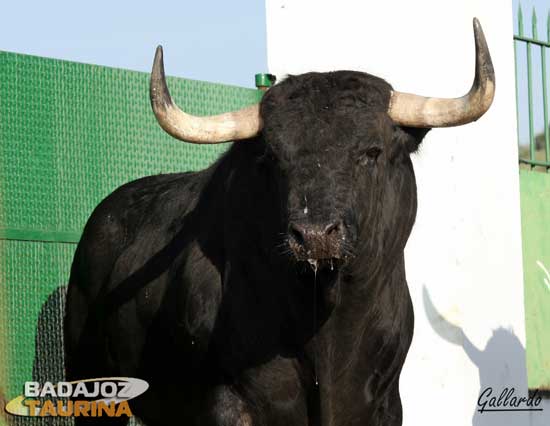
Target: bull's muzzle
point(317, 241)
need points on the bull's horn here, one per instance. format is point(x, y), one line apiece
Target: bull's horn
point(235, 125)
point(417, 111)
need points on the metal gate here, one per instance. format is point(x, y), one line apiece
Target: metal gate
point(530, 49)
point(532, 56)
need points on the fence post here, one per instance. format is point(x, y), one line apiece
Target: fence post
point(545, 92)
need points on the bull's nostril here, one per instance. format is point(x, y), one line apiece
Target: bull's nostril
point(315, 241)
point(333, 228)
point(298, 234)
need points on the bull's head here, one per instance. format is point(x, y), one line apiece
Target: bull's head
point(338, 145)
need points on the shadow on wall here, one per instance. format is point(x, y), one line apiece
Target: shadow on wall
point(502, 364)
point(48, 365)
point(48, 362)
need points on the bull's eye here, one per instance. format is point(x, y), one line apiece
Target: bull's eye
point(369, 156)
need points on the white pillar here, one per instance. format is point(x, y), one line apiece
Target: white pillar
point(466, 244)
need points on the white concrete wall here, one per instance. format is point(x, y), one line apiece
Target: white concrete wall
point(466, 245)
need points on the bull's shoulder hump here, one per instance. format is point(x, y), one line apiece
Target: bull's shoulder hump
point(151, 200)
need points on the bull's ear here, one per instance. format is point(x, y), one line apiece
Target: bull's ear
point(410, 137)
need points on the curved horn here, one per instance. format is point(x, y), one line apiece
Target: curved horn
point(235, 125)
point(417, 111)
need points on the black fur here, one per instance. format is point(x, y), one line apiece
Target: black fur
point(187, 280)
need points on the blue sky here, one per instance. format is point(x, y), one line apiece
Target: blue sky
point(221, 41)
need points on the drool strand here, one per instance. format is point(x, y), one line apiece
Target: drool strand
point(314, 265)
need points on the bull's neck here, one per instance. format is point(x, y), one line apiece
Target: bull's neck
point(360, 349)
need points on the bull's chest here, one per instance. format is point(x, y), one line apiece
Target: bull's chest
point(340, 390)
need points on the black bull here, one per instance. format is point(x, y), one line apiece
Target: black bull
point(268, 289)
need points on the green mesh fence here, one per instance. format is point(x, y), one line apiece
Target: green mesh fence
point(535, 217)
point(69, 135)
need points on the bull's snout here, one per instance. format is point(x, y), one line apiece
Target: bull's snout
point(317, 241)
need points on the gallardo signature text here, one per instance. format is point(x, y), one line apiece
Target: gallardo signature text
point(507, 401)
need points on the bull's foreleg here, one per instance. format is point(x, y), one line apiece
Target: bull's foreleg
point(225, 408)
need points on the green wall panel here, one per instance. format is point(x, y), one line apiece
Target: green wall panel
point(69, 135)
point(35, 279)
point(535, 217)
